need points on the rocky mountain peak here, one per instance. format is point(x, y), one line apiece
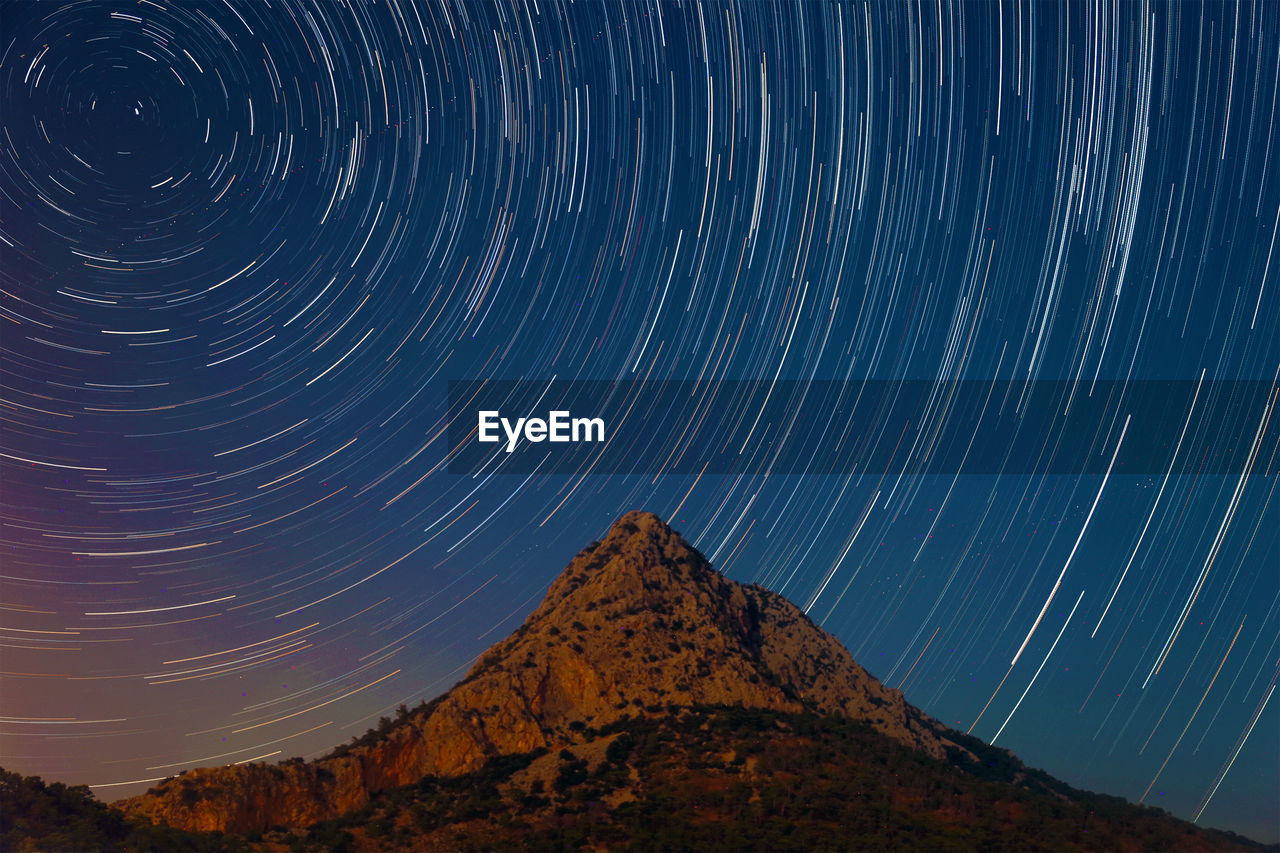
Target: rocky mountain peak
point(638, 623)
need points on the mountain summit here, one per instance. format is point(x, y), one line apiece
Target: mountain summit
point(638, 622)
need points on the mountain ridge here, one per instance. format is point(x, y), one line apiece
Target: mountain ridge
point(648, 701)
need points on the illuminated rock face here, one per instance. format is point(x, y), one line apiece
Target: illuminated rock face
point(636, 623)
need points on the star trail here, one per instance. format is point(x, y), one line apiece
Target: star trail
point(247, 246)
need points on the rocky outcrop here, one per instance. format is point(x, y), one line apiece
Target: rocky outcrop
point(638, 622)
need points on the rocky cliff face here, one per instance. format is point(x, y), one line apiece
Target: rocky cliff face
point(636, 623)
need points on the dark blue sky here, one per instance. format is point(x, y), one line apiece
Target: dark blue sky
point(245, 247)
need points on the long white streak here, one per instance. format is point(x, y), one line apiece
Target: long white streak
point(157, 609)
point(1256, 717)
point(840, 560)
point(1042, 663)
point(1085, 527)
point(339, 361)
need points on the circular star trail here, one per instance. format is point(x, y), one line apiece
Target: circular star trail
point(245, 246)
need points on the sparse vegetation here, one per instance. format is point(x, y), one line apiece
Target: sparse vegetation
point(734, 778)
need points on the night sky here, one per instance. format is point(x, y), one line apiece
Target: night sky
point(247, 245)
